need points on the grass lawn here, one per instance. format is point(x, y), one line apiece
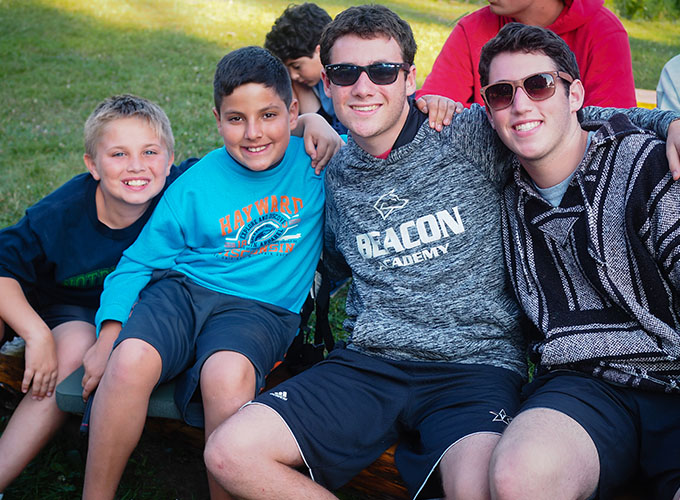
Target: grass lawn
point(61, 57)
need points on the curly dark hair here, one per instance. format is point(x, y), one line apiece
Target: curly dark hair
point(297, 32)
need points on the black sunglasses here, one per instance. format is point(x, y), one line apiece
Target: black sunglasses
point(537, 87)
point(383, 73)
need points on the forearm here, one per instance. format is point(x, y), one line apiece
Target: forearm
point(18, 313)
point(108, 334)
point(655, 120)
point(304, 121)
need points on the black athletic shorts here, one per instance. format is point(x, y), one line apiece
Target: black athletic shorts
point(345, 411)
point(634, 431)
point(187, 323)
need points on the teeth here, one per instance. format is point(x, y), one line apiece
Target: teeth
point(365, 108)
point(136, 182)
point(257, 149)
point(527, 126)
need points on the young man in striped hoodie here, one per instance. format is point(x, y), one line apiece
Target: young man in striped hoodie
point(592, 243)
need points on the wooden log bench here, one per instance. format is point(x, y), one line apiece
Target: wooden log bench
point(380, 481)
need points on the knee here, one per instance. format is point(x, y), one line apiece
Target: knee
point(133, 362)
point(470, 487)
point(227, 376)
point(513, 472)
point(225, 454)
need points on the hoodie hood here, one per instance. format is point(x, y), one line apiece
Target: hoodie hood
point(575, 14)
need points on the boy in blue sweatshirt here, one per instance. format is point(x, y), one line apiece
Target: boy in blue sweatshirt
point(54, 260)
point(218, 275)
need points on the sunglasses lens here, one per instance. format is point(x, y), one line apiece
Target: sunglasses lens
point(383, 74)
point(499, 96)
point(540, 87)
point(343, 74)
point(348, 74)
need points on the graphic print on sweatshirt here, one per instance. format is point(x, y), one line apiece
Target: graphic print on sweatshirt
point(410, 242)
point(267, 226)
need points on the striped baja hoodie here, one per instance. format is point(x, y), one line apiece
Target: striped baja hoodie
point(599, 276)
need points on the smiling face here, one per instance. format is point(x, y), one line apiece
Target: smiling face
point(131, 164)
point(374, 114)
point(255, 124)
point(541, 133)
point(305, 70)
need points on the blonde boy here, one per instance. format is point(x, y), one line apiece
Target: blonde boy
point(54, 260)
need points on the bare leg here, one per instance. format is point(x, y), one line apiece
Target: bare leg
point(34, 422)
point(465, 467)
point(677, 495)
point(544, 454)
point(252, 455)
point(227, 383)
point(118, 415)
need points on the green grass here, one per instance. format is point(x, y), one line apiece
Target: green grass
point(61, 57)
point(166, 50)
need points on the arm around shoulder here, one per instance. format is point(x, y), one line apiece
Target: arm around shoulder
point(664, 123)
point(321, 141)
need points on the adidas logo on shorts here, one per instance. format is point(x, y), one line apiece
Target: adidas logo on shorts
point(283, 395)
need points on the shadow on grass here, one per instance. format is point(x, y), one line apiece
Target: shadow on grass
point(161, 468)
point(51, 84)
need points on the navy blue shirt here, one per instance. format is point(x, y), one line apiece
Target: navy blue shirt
point(60, 252)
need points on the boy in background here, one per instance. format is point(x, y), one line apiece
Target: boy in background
point(239, 240)
point(592, 244)
point(294, 38)
point(54, 260)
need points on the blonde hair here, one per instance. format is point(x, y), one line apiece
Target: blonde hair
point(125, 106)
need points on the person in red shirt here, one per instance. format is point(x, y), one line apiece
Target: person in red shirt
point(593, 33)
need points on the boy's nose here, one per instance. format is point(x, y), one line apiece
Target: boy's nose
point(135, 164)
point(253, 130)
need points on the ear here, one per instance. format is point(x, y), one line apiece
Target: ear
point(293, 112)
point(216, 114)
point(577, 95)
point(317, 52)
point(326, 83)
point(489, 116)
point(171, 160)
point(91, 166)
point(411, 80)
